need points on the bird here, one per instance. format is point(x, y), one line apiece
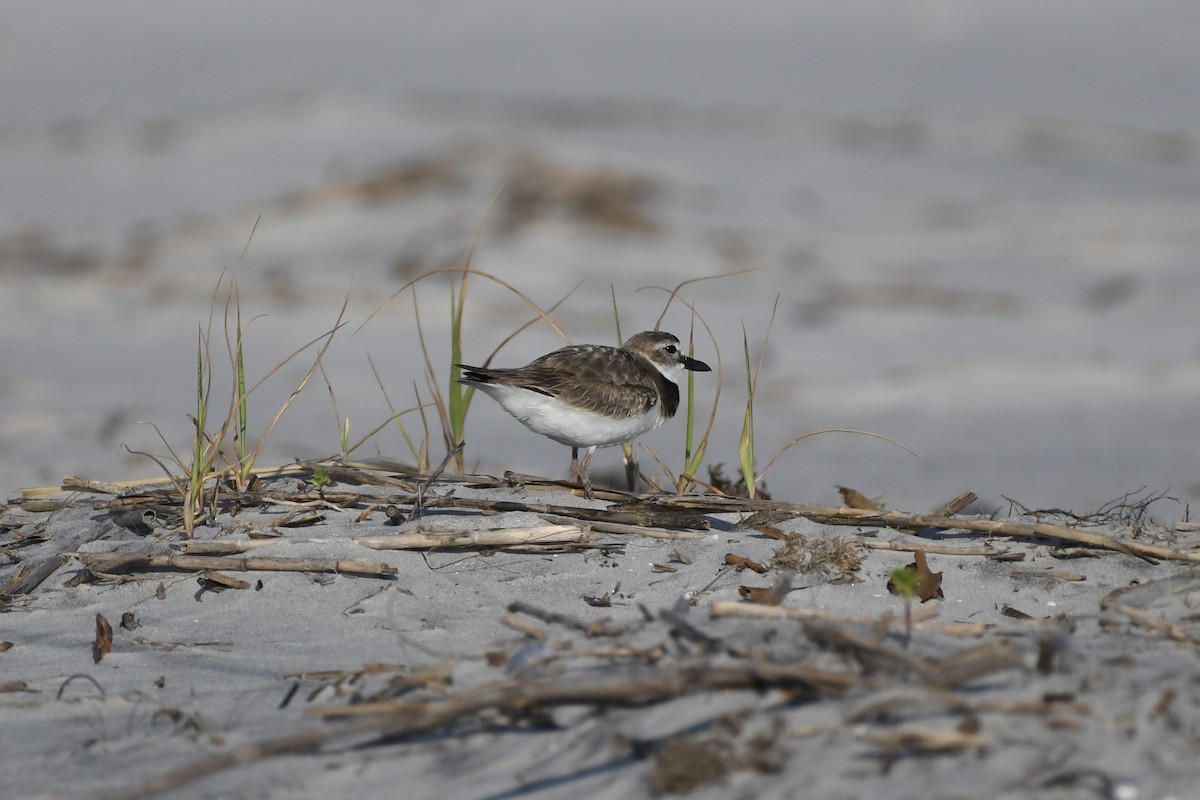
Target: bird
point(588, 395)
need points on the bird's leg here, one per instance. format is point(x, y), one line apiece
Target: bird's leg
point(575, 464)
point(585, 469)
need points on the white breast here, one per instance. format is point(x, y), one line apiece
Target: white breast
point(566, 425)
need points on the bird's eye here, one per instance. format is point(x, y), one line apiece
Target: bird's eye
point(672, 349)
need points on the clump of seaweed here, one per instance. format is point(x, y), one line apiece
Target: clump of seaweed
point(835, 556)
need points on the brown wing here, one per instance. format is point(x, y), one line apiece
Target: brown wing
point(606, 380)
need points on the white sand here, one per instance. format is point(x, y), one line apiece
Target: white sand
point(205, 674)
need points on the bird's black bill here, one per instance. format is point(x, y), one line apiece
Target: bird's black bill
point(695, 366)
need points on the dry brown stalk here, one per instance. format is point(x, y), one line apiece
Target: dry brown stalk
point(621, 529)
point(524, 626)
point(566, 547)
point(370, 668)
point(324, 499)
point(833, 515)
point(974, 662)
point(487, 537)
point(9, 687)
point(220, 547)
point(347, 472)
point(524, 481)
point(634, 686)
point(74, 483)
point(873, 655)
point(913, 546)
point(1051, 574)
point(112, 562)
point(923, 699)
point(856, 499)
point(599, 627)
point(213, 580)
point(877, 657)
point(956, 505)
point(32, 576)
point(563, 533)
point(921, 618)
point(1160, 626)
point(917, 739)
point(741, 562)
point(169, 646)
point(644, 516)
point(78, 484)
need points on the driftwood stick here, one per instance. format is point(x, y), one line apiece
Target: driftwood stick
point(32, 576)
point(111, 562)
point(922, 619)
point(323, 499)
point(663, 517)
point(835, 515)
point(956, 505)
point(565, 531)
point(222, 547)
point(598, 627)
point(623, 529)
point(919, 546)
point(78, 484)
point(75, 483)
point(487, 537)
point(355, 474)
point(1038, 530)
point(382, 472)
point(924, 740)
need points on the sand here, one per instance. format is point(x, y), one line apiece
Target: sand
point(627, 666)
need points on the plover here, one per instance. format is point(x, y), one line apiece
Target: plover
point(590, 395)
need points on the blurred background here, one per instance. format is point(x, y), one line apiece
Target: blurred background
point(979, 221)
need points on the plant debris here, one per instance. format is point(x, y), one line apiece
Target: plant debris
point(836, 556)
point(685, 764)
point(856, 499)
point(102, 644)
point(928, 583)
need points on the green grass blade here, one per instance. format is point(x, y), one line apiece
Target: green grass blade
point(245, 464)
point(616, 314)
point(199, 443)
point(628, 455)
point(693, 454)
point(746, 445)
point(457, 402)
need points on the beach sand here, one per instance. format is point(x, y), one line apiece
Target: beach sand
point(625, 665)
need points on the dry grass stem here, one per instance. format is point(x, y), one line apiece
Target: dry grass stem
point(923, 619)
point(956, 505)
point(488, 537)
point(915, 740)
point(912, 546)
point(108, 563)
point(834, 515)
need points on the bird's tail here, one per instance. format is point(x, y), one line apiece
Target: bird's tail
point(473, 374)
